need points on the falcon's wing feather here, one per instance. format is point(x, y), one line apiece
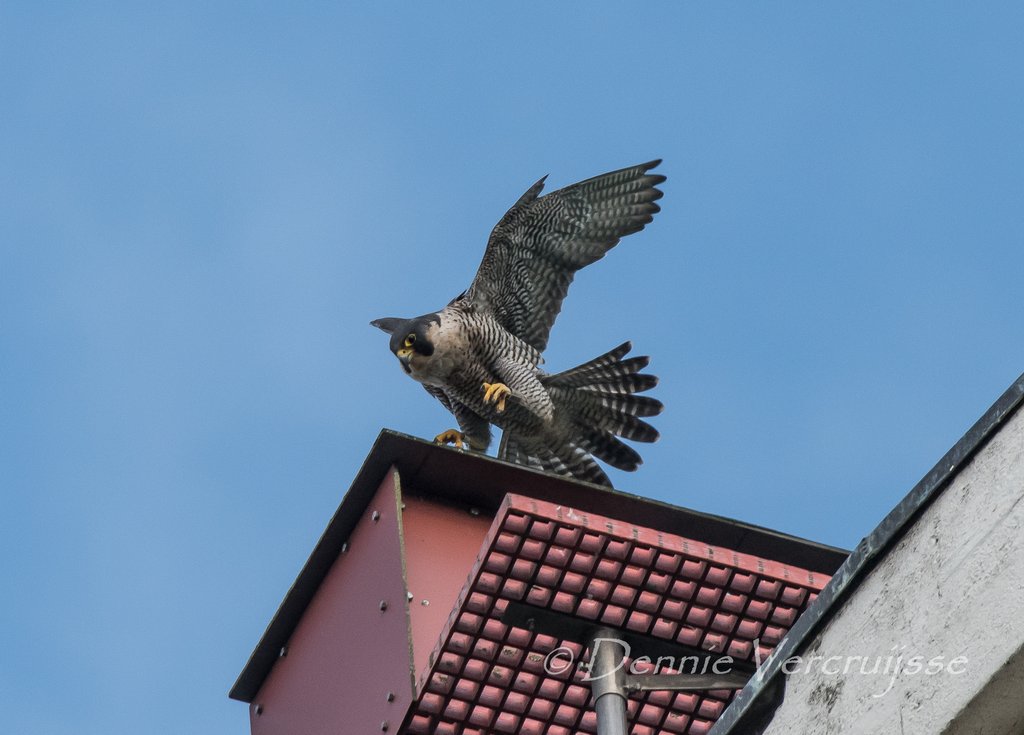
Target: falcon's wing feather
point(439, 394)
point(537, 247)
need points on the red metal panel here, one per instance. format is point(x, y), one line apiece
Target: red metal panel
point(347, 654)
point(441, 546)
point(488, 677)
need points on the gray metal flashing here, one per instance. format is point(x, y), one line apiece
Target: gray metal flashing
point(753, 706)
point(476, 480)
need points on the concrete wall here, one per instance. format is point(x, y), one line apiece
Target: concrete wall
point(944, 610)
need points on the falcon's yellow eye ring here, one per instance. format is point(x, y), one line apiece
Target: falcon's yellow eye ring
point(410, 340)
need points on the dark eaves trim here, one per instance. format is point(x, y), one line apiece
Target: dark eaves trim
point(751, 710)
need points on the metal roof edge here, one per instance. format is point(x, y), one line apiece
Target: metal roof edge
point(754, 704)
point(308, 581)
point(477, 479)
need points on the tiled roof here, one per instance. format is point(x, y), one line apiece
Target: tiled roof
point(489, 677)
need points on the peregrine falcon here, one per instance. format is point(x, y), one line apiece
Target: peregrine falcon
point(480, 355)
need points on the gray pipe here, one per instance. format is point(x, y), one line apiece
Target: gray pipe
point(608, 681)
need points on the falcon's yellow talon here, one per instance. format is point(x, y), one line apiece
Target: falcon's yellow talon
point(451, 436)
point(497, 393)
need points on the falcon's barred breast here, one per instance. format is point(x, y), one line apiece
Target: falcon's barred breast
point(480, 354)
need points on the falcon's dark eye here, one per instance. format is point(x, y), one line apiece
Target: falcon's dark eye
point(410, 340)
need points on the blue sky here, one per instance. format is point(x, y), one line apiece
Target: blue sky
point(204, 205)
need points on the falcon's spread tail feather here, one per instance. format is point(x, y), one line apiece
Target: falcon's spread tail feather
point(600, 402)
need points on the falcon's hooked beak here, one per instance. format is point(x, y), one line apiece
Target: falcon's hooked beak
point(405, 357)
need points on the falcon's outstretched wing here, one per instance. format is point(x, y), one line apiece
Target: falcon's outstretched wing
point(540, 243)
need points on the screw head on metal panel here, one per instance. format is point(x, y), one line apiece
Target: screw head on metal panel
point(384, 726)
point(383, 605)
point(259, 710)
point(474, 511)
point(375, 515)
point(391, 696)
point(408, 595)
point(344, 548)
point(425, 602)
point(283, 652)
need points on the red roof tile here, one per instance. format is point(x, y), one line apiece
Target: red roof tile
point(487, 676)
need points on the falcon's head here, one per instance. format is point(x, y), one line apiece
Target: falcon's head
point(411, 341)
